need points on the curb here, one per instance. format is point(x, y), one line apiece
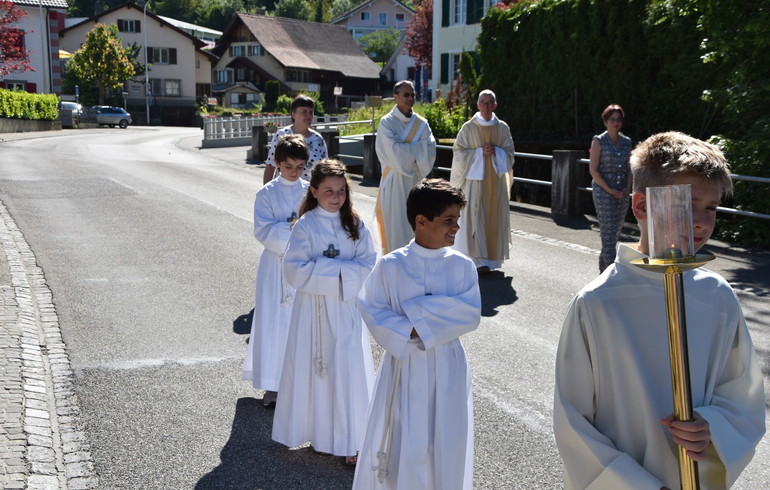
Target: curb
point(42, 444)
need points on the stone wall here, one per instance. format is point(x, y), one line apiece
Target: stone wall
point(26, 125)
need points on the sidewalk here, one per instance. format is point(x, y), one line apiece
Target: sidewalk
point(41, 444)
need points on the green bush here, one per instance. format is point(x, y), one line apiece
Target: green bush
point(283, 104)
point(23, 105)
point(444, 122)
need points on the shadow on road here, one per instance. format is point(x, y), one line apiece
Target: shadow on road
point(496, 290)
point(251, 459)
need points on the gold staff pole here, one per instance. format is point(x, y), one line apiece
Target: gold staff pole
point(675, 232)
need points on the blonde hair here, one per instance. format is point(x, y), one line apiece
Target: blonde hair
point(661, 157)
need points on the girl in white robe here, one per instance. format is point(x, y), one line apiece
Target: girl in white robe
point(328, 371)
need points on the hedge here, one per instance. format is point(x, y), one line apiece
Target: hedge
point(23, 105)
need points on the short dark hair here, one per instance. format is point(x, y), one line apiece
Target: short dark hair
point(430, 198)
point(610, 109)
point(291, 146)
point(301, 101)
point(400, 84)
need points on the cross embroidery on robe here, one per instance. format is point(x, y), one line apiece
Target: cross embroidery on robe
point(331, 252)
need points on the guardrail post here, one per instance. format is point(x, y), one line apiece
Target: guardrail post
point(372, 168)
point(564, 177)
point(258, 151)
point(330, 137)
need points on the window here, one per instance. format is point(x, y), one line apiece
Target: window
point(364, 15)
point(459, 9)
point(223, 76)
point(172, 87)
point(162, 56)
point(129, 25)
point(454, 66)
point(383, 18)
point(14, 85)
point(255, 50)
point(399, 17)
point(236, 51)
point(167, 87)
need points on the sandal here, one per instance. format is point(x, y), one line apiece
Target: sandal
point(351, 460)
point(319, 452)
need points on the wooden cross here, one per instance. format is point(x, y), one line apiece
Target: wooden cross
point(331, 252)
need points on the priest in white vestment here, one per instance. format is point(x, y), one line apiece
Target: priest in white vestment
point(483, 168)
point(613, 401)
point(417, 302)
point(407, 150)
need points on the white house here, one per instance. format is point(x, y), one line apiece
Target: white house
point(41, 26)
point(456, 27)
point(180, 70)
point(374, 15)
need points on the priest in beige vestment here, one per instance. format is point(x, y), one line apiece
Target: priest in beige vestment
point(483, 167)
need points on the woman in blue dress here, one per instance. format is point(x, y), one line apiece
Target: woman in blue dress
point(611, 173)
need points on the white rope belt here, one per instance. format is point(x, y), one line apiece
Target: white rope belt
point(387, 437)
point(320, 366)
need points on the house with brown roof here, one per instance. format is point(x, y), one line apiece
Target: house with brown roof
point(301, 55)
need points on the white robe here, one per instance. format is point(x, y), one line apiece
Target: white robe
point(436, 292)
point(403, 166)
point(613, 382)
point(273, 207)
point(328, 371)
point(485, 228)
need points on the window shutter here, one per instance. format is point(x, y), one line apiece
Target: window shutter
point(138, 25)
point(444, 68)
point(470, 14)
point(172, 56)
point(31, 88)
point(120, 25)
point(230, 50)
point(446, 7)
point(149, 54)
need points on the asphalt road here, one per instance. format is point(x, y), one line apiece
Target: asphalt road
point(146, 243)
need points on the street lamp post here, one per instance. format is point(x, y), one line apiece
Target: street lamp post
point(146, 67)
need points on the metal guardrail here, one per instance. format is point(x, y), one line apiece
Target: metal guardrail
point(219, 128)
point(536, 156)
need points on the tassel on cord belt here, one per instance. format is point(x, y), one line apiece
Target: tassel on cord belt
point(320, 366)
point(286, 296)
point(387, 436)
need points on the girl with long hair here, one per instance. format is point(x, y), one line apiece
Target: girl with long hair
point(328, 372)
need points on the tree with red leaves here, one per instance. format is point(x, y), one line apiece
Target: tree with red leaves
point(419, 34)
point(13, 55)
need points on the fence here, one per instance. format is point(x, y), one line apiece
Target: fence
point(567, 167)
point(237, 130)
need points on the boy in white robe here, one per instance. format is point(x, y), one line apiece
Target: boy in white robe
point(406, 149)
point(417, 302)
point(275, 208)
point(613, 401)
